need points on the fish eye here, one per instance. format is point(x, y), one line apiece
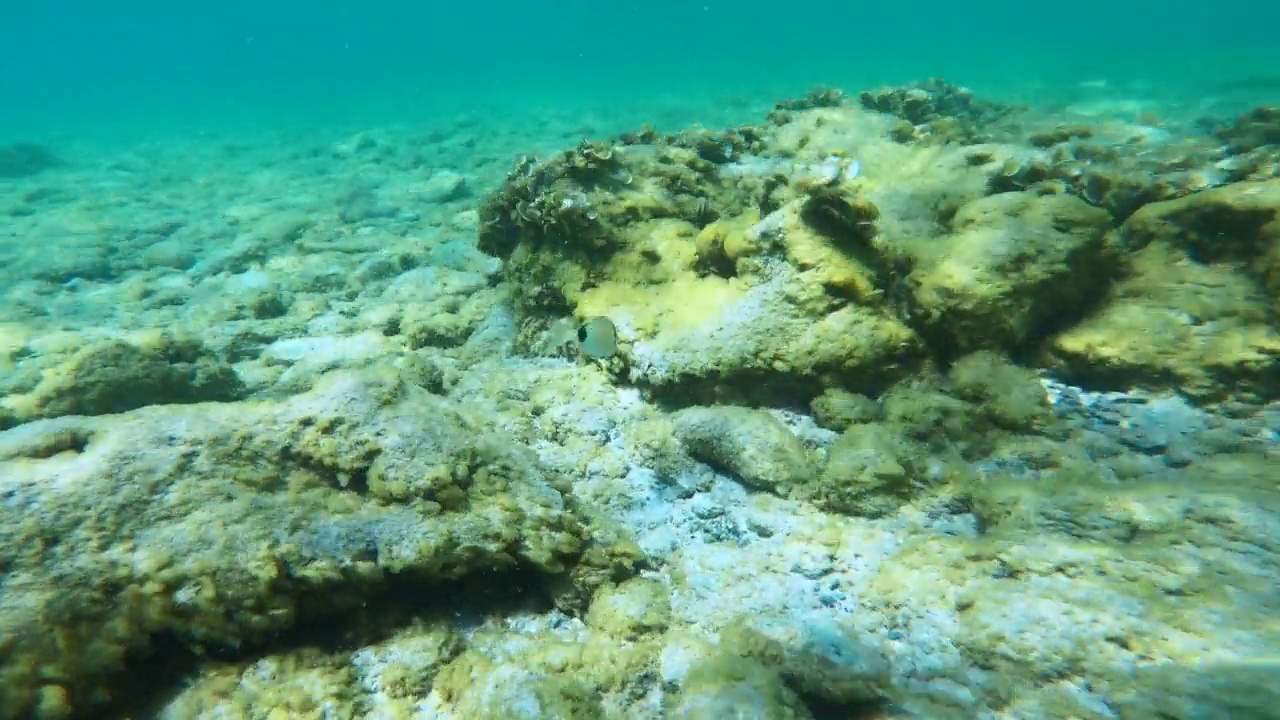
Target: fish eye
point(582, 333)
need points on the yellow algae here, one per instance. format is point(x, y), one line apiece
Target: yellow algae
point(684, 303)
point(654, 252)
point(823, 262)
point(728, 238)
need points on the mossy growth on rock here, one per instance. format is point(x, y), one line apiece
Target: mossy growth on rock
point(1195, 308)
point(733, 686)
point(872, 470)
point(819, 97)
point(838, 212)
point(1251, 130)
point(227, 525)
point(936, 111)
point(1009, 397)
point(560, 223)
point(825, 662)
point(837, 409)
point(917, 442)
point(1060, 134)
point(759, 265)
point(1103, 176)
point(983, 400)
point(1015, 266)
point(115, 376)
point(547, 201)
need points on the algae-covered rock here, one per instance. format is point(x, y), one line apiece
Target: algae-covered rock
point(1237, 224)
point(392, 672)
point(1010, 397)
point(559, 676)
point(782, 340)
point(735, 687)
point(115, 376)
point(511, 692)
point(730, 275)
point(573, 206)
point(752, 445)
point(221, 524)
point(632, 609)
point(1014, 266)
point(924, 412)
point(936, 111)
point(1196, 310)
point(837, 409)
point(871, 470)
point(984, 402)
point(822, 660)
point(1177, 324)
point(1251, 130)
point(1142, 545)
point(608, 556)
point(307, 683)
point(1203, 690)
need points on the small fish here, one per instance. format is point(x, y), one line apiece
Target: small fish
point(598, 338)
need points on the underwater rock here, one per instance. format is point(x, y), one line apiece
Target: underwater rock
point(555, 672)
point(1059, 135)
point(573, 201)
point(632, 610)
point(765, 265)
point(444, 186)
point(1252, 130)
point(816, 98)
point(1221, 689)
point(1114, 181)
point(1175, 324)
point(1237, 224)
point(175, 254)
point(705, 292)
point(1013, 267)
point(936, 111)
point(837, 409)
point(752, 445)
point(1009, 397)
point(220, 525)
point(1194, 312)
point(77, 259)
point(983, 406)
point(732, 686)
point(851, 617)
point(871, 470)
point(116, 376)
point(1165, 430)
point(822, 660)
point(1075, 571)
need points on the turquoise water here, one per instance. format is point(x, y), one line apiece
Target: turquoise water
point(106, 69)
point(308, 399)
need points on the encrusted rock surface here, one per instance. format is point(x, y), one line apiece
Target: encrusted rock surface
point(924, 406)
point(218, 525)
